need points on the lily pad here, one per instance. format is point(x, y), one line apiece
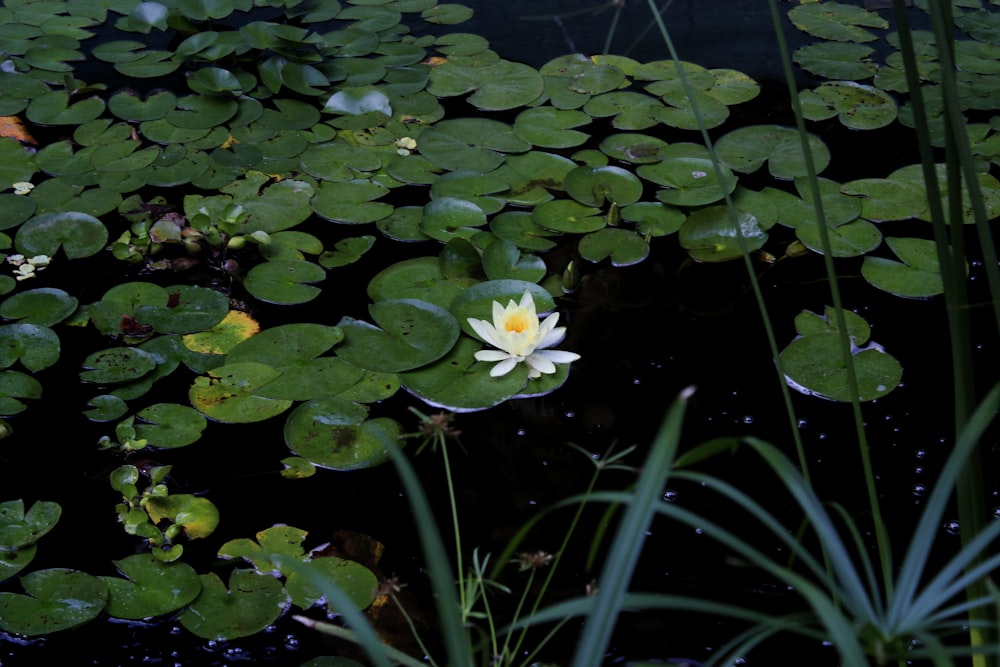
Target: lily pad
point(14, 386)
point(551, 128)
point(57, 108)
point(13, 561)
point(565, 215)
point(689, 180)
point(856, 105)
point(168, 425)
point(595, 186)
point(149, 587)
point(189, 308)
point(330, 433)
point(347, 251)
point(419, 278)
point(57, 599)
point(251, 603)
point(709, 234)
point(836, 21)
point(412, 334)
point(117, 364)
point(197, 516)
point(497, 87)
point(221, 338)
point(357, 581)
point(44, 306)
point(837, 60)
point(36, 346)
point(78, 234)
point(284, 281)
point(287, 343)
point(624, 247)
point(229, 393)
point(814, 365)
point(20, 529)
point(473, 144)
point(887, 199)
point(917, 276)
point(277, 540)
point(746, 149)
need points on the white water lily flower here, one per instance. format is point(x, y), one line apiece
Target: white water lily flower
point(519, 336)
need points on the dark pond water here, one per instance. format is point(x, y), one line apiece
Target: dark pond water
point(644, 334)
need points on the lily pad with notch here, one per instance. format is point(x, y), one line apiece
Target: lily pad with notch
point(169, 425)
point(189, 309)
point(251, 603)
point(836, 21)
point(284, 281)
point(229, 393)
point(78, 234)
point(37, 347)
point(688, 180)
point(14, 386)
point(502, 259)
point(358, 582)
point(857, 106)
point(21, 529)
point(419, 278)
point(149, 587)
point(116, 365)
point(347, 251)
point(597, 186)
point(331, 432)
point(623, 247)
point(548, 127)
point(837, 60)
point(917, 276)
point(56, 599)
point(44, 306)
point(474, 144)
point(710, 235)
point(413, 333)
point(746, 149)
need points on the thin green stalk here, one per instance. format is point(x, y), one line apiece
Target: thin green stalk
point(748, 264)
point(881, 533)
point(413, 630)
point(459, 567)
point(517, 615)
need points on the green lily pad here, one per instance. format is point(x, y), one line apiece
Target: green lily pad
point(988, 184)
point(814, 365)
point(502, 259)
point(16, 163)
point(447, 14)
point(286, 344)
point(357, 581)
point(357, 101)
point(149, 587)
point(347, 251)
point(14, 209)
point(709, 234)
point(198, 517)
point(568, 216)
point(13, 561)
point(339, 161)
point(624, 247)
point(746, 149)
point(847, 240)
point(634, 148)
point(419, 278)
point(117, 364)
point(885, 199)
point(836, 21)
point(229, 393)
point(15, 385)
point(57, 108)
point(551, 128)
point(277, 540)
point(473, 144)
point(500, 86)
point(20, 529)
point(251, 603)
point(689, 180)
point(654, 218)
point(131, 106)
point(44, 306)
point(36, 346)
point(412, 334)
point(57, 599)
point(351, 201)
point(168, 425)
point(448, 217)
point(106, 408)
point(477, 300)
point(917, 276)
point(837, 60)
point(459, 383)
point(520, 228)
point(472, 186)
point(628, 109)
point(857, 106)
point(189, 308)
point(196, 112)
point(78, 234)
point(284, 281)
point(595, 186)
point(314, 378)
point(330, 432)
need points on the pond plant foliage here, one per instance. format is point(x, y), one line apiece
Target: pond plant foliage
point(218, 161)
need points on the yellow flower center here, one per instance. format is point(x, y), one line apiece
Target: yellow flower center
point(516, 323)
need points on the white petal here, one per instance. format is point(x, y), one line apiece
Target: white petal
point(553, 337)
point(492, 355)
point(527, 301)
point(504, 367)
point(498, 314)
point(485, 330)
point(558, 356)
point(541, 364)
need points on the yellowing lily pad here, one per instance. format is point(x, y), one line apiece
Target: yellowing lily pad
point(234, 328)
point(229, 393)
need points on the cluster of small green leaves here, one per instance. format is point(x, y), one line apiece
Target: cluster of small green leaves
point(154, 585)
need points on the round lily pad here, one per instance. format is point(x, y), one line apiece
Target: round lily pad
point(235, 327)
point(848, 240)
point(149, 587)
point(284, 281)
point(624, 247)
point(710, 235)
point(36, 346)
point(857, 106)
point(918, 275)
point(448, 217)
point(130, 105)
point(14, 386)
point(419, 278)
point(357, 581)
point(330, 432)
point(412, 334)
point(474, 144)
point(78, 234)
point(57, 108)
point(814, 365)
point(496, 87)
point(689, 181)
point(117, 364)
point(565, 215)
point(251, 603)
point(502, 259)
point(189, 308)
point(887, 199)
point(287, 343)
point(551, 128)
point(595, 186)
point(746, 149)
point(168, 425)
point(56, 599)
point(44, 306)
